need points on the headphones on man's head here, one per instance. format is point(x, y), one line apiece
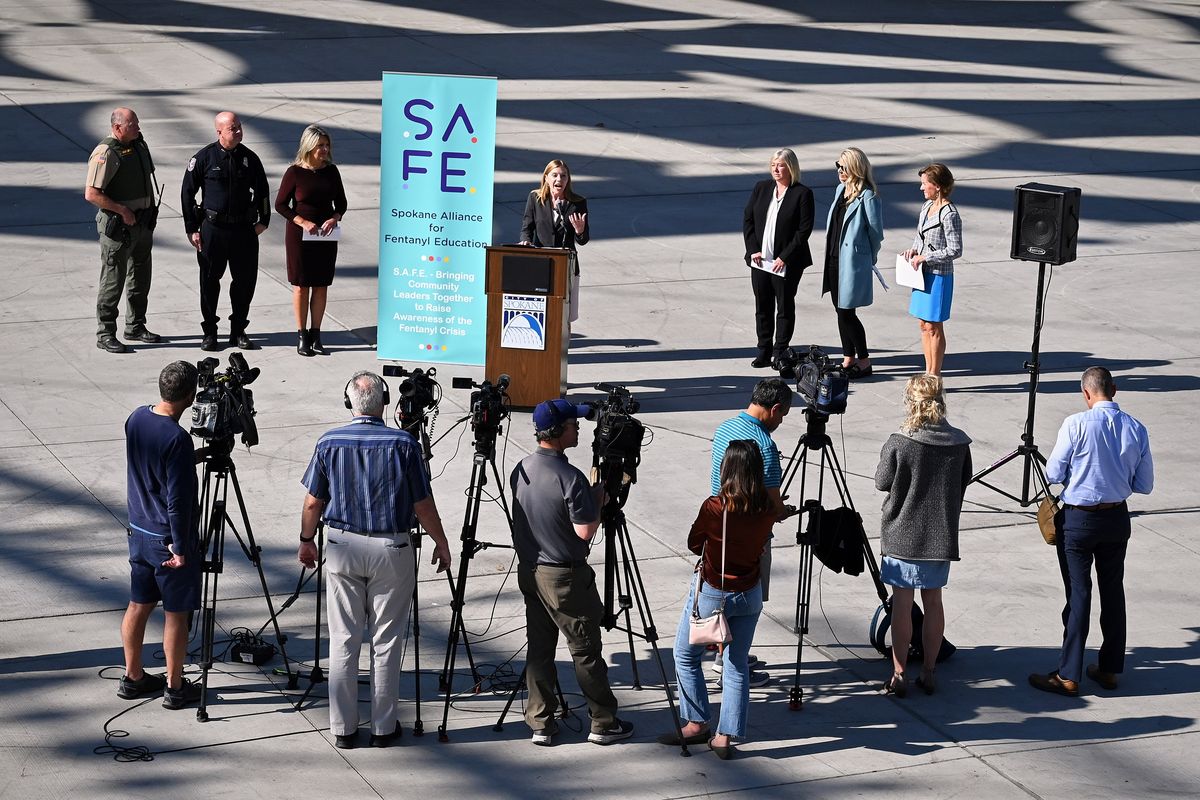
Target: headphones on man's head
point(387, 398)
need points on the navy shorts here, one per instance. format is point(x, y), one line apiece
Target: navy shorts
point(150, 581)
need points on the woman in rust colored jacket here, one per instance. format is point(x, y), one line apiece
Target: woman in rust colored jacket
point(729, 535)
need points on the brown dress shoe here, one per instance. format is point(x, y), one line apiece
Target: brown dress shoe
point(1107, 680)
point(1054, 684)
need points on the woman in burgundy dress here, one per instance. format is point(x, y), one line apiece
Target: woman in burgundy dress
point(313, 200)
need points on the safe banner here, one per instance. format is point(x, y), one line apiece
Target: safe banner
point(437, 164)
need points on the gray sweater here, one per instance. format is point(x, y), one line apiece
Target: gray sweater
point(925, 474)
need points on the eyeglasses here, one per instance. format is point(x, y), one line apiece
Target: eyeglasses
point(840, 168)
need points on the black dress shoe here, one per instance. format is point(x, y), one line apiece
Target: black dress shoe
point(144, 336)
point(386, 739)
point(111, 344)
point(763, 360)
point(346, 742)
point(209, 343)
point(242, 342)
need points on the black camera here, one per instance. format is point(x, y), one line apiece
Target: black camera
point(618, 437)
point(489, 407)
point(418, 390)
point(224, 406)
point(821, 383)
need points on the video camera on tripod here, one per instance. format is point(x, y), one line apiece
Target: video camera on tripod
point(489, 407)
point(224, 406)
point(419, 392)
point(617, 443)
point(821, 383)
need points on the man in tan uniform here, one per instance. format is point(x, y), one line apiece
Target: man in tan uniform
point(120, 183)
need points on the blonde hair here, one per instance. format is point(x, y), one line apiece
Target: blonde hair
point(308, 142)
point(543, 191)
point(788, 157)
point(924, 403)
point(858, 169)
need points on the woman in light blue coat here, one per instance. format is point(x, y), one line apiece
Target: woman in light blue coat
point(853, 235)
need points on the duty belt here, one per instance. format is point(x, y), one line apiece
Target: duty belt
point(221, 218)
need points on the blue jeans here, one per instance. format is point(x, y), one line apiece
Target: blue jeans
point(741, 612)
point(1084, 537)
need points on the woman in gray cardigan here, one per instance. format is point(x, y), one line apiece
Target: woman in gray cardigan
point(924, 469)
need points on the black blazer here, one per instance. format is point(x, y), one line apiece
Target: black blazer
point(793, 224)
point(537, 225)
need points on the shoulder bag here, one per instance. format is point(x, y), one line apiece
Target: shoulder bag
point(713, 629)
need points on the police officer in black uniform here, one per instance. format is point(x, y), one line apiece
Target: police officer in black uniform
point(234, 209)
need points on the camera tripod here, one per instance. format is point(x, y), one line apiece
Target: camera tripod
point(485, 457)
point(624, 588)
point(816, 439)
point(1032, 461)
point(219, 473)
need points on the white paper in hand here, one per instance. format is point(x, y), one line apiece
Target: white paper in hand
point(907, 276)
point(333, 236)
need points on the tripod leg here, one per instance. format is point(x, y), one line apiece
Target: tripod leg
point(215, 521)
point(317, 675)
point(637, 590)
point(512, 696)
point(418, 724)
point(803, 606)
point(254, 553)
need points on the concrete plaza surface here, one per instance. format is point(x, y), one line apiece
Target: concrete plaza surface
point(667, 113)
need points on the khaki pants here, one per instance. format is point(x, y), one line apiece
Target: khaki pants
point(370, 580)
point(124, 265)
point(564, 599)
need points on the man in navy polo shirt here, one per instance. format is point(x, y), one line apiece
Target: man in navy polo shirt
point(164, 552)
point(556, 512)
point(368, 482)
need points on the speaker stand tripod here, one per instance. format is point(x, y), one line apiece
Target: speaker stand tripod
point(1033, 463)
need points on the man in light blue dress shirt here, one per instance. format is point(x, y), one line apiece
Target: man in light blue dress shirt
point(1101, 457)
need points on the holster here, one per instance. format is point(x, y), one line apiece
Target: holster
point(115, 228)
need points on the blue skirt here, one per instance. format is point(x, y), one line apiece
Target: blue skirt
point(914, 574)
point(933, 304)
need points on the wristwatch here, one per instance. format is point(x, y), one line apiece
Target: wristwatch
point(308, 541)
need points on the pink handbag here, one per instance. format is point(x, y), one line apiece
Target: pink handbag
point(713, 629)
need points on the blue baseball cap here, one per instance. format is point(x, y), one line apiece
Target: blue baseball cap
point(552, 413)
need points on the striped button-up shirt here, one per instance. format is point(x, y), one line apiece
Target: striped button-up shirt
point(369, 475)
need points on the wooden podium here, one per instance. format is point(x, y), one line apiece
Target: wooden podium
point(528, 313)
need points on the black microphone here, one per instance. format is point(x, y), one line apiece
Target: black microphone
point(562, 211)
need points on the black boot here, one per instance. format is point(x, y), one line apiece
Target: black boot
point(314, 338)
point(304, 346)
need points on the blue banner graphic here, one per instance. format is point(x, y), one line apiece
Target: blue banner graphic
point(437, 164)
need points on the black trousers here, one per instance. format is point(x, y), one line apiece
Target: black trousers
point(774, 309)
point(235, 246)
point(852, 332)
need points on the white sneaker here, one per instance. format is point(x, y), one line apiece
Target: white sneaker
point(543, 738)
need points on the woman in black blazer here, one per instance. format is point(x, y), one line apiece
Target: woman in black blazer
point(557, 217)
point(776, 225)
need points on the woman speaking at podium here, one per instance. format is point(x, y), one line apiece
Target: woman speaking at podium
point(555, 216)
